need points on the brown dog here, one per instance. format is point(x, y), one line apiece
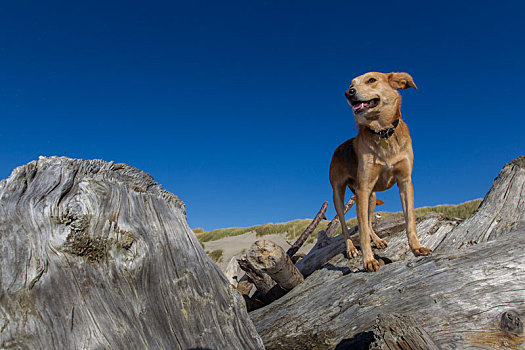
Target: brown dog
point(377, 158)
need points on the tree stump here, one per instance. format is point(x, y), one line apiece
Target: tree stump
point(95, 255)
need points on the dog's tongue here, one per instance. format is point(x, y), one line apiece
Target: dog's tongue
point(360, 106)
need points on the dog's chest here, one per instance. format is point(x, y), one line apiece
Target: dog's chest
point(386, 159)
point(387, 167)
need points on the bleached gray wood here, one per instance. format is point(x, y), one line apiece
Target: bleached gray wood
point(468, 298)
point(269, 257)
point(94, 255)
point(502, 210)
point(431, 229)
point(233, 272)
point(400, 332)
point(457, 299)
point(267, 287)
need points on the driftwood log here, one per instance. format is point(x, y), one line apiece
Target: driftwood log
point(270, 258)
point(400, 332)
point(431, 229)
point(271, 271)
point(469, 294)
point(268, 289)
point(94, 255)
point(502, 210)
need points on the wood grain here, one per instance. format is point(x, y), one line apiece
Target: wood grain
point(502, 210)
point(96, 255)
point(269, 257)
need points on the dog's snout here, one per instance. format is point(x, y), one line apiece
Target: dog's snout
point(350, 92)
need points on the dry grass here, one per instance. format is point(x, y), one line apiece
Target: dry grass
point(216, 255)
point(295, 227)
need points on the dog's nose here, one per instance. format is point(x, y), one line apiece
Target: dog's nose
point(350, 92)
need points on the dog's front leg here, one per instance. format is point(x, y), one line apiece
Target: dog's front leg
point(362, 199)
point(406, 193)
point(367, 178)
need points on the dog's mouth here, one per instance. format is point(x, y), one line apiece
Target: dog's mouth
point(361, 106)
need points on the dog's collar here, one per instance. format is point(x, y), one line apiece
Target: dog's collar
point(385, 133)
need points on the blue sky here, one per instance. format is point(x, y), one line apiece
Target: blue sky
point(237, 106)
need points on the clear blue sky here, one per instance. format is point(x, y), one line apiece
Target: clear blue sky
point(237, 106)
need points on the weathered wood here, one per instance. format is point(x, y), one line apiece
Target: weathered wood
point(270, 258)
point(502, 210)
point(457, 298)
point(400, 332)
point(268, 288)
point(322, 252)
point(233, 272)
point(245, 287)
point(431, 228)
point(333, 226)
point(511, 322)
point(94, 255)
point(472, 298)
point(308, 231)
point(252, 303)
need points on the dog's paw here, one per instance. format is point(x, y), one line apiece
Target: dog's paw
point(422, 251)
point(381, 244)
point(352, 252)
point(371, 265)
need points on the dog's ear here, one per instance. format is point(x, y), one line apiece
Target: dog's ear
point(401, 81)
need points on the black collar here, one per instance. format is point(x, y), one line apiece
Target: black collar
point(385, 133)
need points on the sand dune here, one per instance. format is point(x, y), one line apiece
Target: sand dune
point(237, 245)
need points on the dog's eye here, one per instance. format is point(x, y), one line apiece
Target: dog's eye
point(371, 80)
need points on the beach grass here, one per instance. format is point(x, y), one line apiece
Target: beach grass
point(216, 255)
point(295, 227)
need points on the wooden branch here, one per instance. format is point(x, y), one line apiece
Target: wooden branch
point(318, 257)
point(308, 231)
point(269, 257)
point(333, 226)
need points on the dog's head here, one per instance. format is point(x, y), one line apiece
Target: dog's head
point(374, 98)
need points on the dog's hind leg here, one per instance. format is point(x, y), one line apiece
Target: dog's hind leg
point(371, 207)
point(339, 190)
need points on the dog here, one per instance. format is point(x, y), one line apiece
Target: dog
point(377, 158)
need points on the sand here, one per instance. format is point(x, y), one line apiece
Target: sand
point(233, 246)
